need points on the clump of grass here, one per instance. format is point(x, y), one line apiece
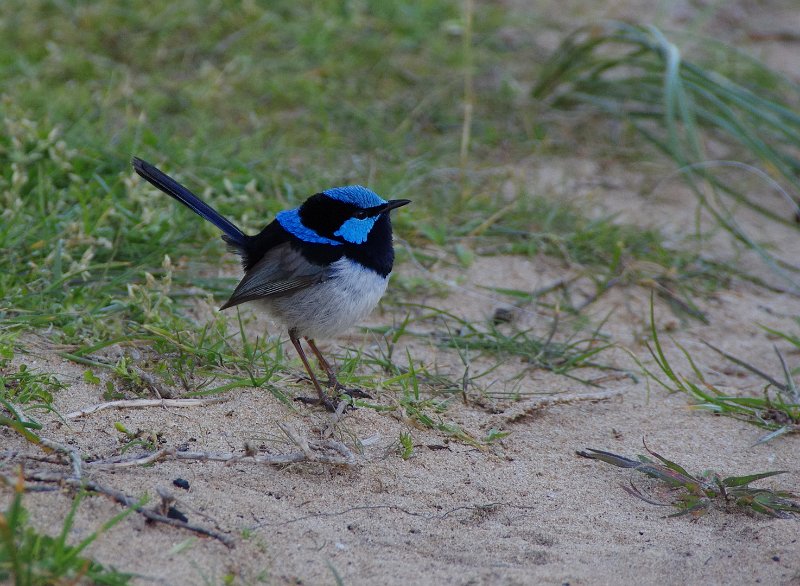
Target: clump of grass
point(602, 251)
point(635, 73)
point(698, 493)
point(412, 387)
point(30, 558)
point(612, 249)
point(417, 394)
point(22, 386)
point(405, 445)
point(562, 357)
point(23, 390)
point(204, 360)
point(778, 409)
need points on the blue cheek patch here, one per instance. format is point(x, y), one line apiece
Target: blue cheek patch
point(356, 231)
point(290, 221)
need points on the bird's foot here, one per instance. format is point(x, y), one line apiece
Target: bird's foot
point(340, 389)
point(334, 403)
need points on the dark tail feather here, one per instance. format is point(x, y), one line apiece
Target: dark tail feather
point(171, 187)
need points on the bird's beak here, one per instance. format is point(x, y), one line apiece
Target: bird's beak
point(395, 203)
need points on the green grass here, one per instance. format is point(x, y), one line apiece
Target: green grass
point(776, 407)
point(23, 391)
point(636, 73)
point(31, 558)
point(604, 248)
point(543, 352)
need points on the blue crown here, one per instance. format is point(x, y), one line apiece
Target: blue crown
point(355, 195)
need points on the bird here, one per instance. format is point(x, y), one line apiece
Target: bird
point(318, 268)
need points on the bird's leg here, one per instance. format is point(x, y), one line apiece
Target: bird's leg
point(323, 364)
point(333, 382)
point(323, 398)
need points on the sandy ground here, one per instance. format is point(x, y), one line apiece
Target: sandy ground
point(524, 510)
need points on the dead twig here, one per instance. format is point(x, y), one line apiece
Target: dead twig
point(152, 383)
point(139, 403)
point(322, 451)
point(151, 515)
point(74, 455)
point(142, 460)
point(314, 450)
point(310, 451)
point(127, 501)
point(168, 454)
point(525, 408)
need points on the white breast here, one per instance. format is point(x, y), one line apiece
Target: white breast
point(329, 308)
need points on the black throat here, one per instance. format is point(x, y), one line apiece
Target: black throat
point(377, 252)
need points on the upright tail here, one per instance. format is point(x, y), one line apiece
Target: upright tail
point(171, 187)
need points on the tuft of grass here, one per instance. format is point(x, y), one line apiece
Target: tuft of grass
point(405, 445)
point(204, 359)
point(33, 390)
point(698, 493)
point(426, 412)
point(30, 558)
point(636, 73)
point(417, 396)
point(778, 409)
point(23, 391)
point(547, 353)
point(608, 252)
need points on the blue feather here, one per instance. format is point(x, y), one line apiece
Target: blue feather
point(356, 230)
point(171, 187)
point(290, 221)
point(356, 195)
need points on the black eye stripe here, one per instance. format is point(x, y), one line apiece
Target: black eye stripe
point(373, 211)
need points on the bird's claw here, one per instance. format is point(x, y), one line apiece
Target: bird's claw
point(331, 403)
point(340, 389)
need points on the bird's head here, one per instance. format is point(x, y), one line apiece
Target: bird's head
point(340, 215)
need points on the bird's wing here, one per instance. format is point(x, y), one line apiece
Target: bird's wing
point(281, 270)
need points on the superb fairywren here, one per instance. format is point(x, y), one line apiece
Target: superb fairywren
point(318, 268)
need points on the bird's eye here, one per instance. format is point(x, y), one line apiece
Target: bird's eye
point(360, 214)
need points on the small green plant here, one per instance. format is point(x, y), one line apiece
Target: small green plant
point(494, 435)
point(26, 387)
point(778, 409)
point(30, 558)
point(23, 390)
point(406, 445)
point(698, 493)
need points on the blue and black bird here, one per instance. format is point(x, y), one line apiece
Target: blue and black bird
point(318, 268)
